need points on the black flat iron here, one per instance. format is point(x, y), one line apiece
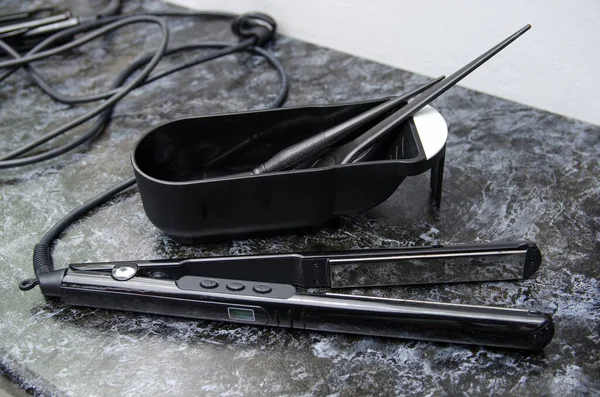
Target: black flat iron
point(269, 290)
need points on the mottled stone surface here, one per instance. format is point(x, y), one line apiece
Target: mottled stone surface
point(511, 172)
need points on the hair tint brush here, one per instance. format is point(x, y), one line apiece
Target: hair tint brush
point(316, 145)
point(349, 152)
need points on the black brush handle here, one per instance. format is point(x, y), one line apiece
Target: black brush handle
point(316, 144)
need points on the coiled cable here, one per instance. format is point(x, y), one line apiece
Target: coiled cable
point(253, 29)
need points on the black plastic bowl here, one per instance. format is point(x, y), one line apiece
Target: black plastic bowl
point(183, 170)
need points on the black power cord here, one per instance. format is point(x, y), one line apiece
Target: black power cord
point(253, 29)
point(12, 159)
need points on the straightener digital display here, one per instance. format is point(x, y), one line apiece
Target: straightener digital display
point(261, 290)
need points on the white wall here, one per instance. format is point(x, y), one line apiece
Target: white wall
point(555, 66)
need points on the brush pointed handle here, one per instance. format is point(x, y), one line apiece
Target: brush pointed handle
point(347, 153)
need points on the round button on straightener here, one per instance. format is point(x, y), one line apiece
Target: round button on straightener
point(235, 286)
point(124, 271)
point(209, 284)
point(262, 289)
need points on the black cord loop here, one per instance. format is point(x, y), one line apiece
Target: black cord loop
point(28, 284)
point(255, 24)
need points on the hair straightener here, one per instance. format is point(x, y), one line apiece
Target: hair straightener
point(261, 290)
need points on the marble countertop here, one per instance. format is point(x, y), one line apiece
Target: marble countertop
point(512, 172)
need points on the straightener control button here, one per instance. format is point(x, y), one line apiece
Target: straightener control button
point(262, 289)
point(235, 286)
point(209, 284)
point(124, 271)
